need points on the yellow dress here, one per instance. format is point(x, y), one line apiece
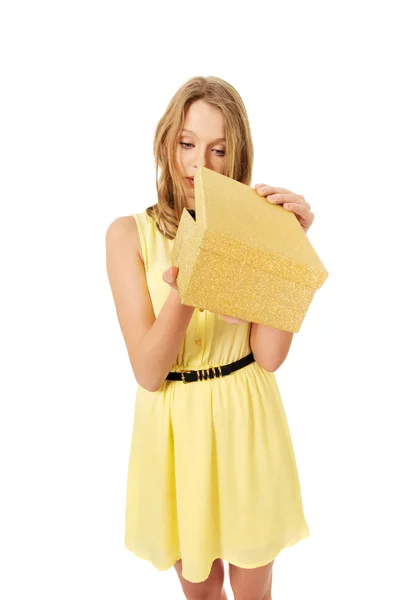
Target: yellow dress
point(212, 471)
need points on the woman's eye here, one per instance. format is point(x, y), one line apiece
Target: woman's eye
point(185, 144)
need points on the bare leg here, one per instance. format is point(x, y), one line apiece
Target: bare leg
point(249, 583)
point(210, 589)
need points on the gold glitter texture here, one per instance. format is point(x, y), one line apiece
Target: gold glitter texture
point(243, 256)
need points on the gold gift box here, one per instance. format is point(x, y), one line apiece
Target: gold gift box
point(243, 256)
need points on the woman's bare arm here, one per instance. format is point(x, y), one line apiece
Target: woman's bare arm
point(152, 344)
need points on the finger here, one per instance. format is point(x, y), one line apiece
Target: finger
point(281, 198)
point(172, 284)
point(287, 199)
point(170, 274)
point(297, 208)
point(174, 271)
point(265, 190)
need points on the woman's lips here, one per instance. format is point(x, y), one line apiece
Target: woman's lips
point(190, 180)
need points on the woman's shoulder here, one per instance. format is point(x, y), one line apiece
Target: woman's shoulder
point(128, 229)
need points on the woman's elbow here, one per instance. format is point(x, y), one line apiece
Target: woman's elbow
point(272, 364)
point(146, 380)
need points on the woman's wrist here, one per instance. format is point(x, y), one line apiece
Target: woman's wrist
point(176, 299)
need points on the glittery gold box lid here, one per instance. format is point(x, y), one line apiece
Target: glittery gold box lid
point(232, 219)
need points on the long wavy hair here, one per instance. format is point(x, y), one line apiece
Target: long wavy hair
point(239, 145)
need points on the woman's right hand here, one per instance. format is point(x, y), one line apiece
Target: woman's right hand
point(169, 276)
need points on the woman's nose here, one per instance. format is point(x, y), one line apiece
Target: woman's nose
point(201, 160)
point(200, 163)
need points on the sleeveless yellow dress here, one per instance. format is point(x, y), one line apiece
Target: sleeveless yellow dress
point(212, 471)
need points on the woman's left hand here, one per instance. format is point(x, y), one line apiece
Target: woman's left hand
point(290, 201)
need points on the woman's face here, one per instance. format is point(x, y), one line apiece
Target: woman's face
point(201, 143)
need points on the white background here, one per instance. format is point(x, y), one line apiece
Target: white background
point(83, 85)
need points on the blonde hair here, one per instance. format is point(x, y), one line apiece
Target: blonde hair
point(239, 145)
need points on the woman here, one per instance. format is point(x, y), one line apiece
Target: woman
point(212, 473)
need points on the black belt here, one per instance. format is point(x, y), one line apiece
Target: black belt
point(211, 372)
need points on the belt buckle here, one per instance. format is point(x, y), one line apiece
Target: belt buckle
point(188, 371)
point(202, 373)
